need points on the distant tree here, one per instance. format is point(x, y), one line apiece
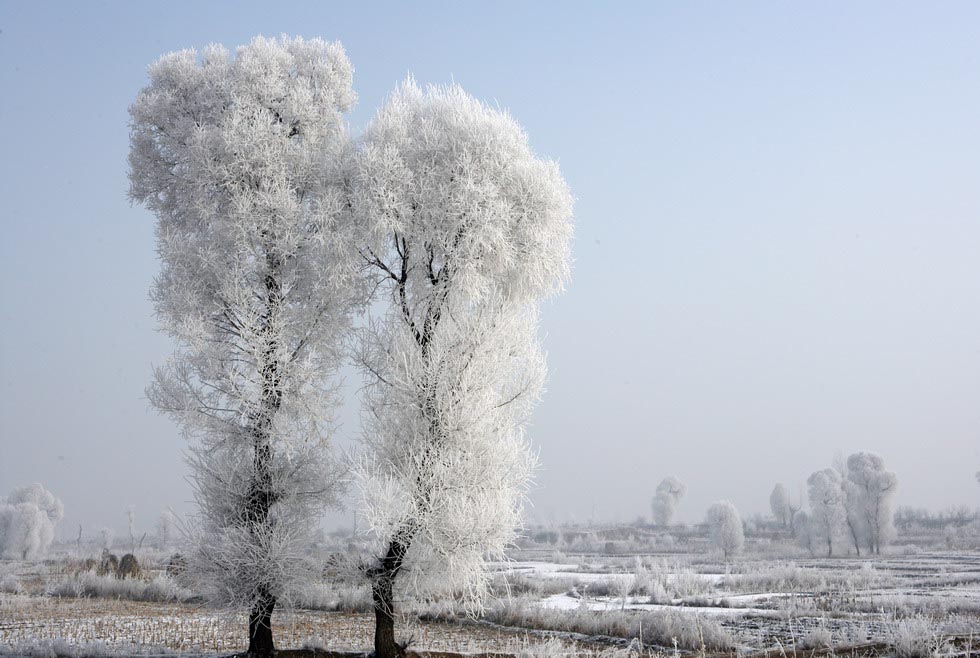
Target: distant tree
point(873, 497)
point(131, 524)
point(27, 520)
point(239, 158)
point(978, 477)
point(105, 538)
point(665, 501)
point(802, 532)
point(779, 504)
point(466, 230)
point(166, 527)
point(827, 512)
point(855, 523)
point(725, 525)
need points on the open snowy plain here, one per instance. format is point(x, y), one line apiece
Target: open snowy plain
point(546, 602)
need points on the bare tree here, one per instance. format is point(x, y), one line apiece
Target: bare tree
point(238, 157)
point(465, 231)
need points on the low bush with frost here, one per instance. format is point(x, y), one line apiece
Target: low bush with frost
point(917, 637)
point(90, 585)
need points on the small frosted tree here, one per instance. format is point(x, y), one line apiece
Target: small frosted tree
point(166, 527)
point(239, 158)
point(465, 230)
point(801, 530)
point(27, 520)
point(779, 504)
point(665, 501)
point(873, 497)
point(827, 512)
point(725, 525)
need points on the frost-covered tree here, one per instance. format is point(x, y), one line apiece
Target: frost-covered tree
point(465, 230)
point(827, 512)
point(239, 157)
point(855, 523)
point(166, 527)
point(779, 504)
point(873, 498)
point(27, 520)
point(665, 500)
point(801, 530)
point(725, 525)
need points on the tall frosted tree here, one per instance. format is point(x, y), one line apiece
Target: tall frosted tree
point(827, 512)
point(665, 500)
point(855, 520)
point(464, 232)
point(238, 156)
point(873, 497)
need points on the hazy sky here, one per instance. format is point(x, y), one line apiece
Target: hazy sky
point(777, 251)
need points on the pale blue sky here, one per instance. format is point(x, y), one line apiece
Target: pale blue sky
point(777, 242)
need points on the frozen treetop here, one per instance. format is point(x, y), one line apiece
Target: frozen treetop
point(457, 181)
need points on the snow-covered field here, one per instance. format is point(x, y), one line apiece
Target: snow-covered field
point(764, 603)
point(601, 601)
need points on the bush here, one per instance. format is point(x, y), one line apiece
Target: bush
point(916, 637)
point(91, 585)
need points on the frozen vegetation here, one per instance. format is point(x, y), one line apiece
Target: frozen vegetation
point(583, 590)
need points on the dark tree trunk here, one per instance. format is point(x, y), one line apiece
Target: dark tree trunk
point(382, 592)
point(261, 495)
point(384, 620)
point(260, 627)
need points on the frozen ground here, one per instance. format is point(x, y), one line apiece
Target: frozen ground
point(761, 604)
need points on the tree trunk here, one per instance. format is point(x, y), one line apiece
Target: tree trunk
point(384, 619)
point(260, 626)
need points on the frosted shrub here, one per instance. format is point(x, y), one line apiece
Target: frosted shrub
point(916, 637)
point(90, 585)
point(657, 593)
point(817, 638)
point(642, 580)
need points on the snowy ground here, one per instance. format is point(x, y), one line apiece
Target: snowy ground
point(765, 602)
point(762, 603)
